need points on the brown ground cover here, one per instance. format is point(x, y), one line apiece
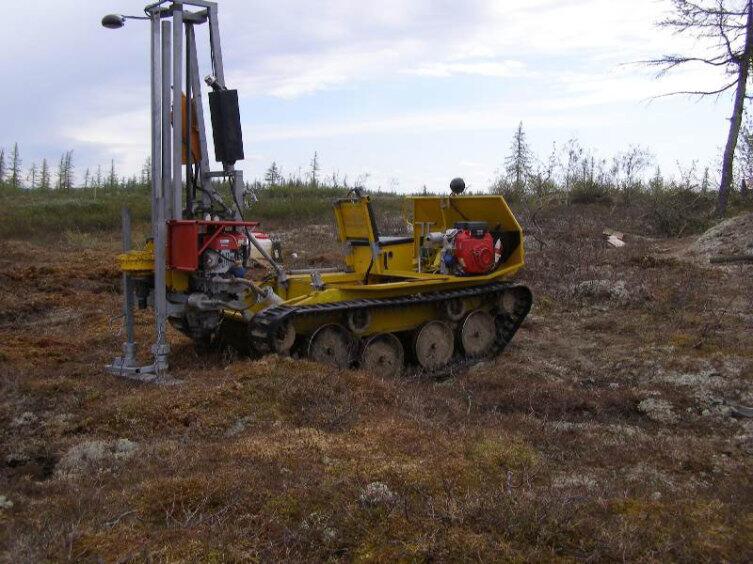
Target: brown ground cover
point(605, 432)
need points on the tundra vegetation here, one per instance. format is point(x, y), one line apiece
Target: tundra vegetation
point(605, 431)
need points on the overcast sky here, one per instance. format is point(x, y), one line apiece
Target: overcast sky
point(409, 92)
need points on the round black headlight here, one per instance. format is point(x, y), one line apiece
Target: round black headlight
point(457, 185)
point(113, 21)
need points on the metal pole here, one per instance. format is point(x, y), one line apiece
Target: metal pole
point(216, 45)
point(177, 191)
point(129, 349)
point(203, 182)
point(190, 188)
point(156, 71)
point(238, 189)
point(161, 348)
point(167, 152)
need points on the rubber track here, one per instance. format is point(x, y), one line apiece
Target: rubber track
point(265, 324)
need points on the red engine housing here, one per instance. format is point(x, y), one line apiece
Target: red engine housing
point(474, 254)
point(189, 238)
point(228, 241)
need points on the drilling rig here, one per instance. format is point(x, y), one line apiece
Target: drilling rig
point(438, 299)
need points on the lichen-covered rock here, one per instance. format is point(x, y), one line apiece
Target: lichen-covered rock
point(95, 455)
point(5, 503)
point(730, 237)
point(26, 418)
point(657, 410)
point(610, 290)
point(376, 493)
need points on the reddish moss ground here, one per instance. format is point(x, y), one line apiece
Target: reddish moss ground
point(543, 454)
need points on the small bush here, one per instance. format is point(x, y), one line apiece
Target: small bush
point(675, 211)
point(589, 192)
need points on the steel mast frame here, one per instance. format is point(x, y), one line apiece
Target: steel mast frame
point(168, 53)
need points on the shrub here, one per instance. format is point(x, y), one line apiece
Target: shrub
point(677, 211)
point(589, 192)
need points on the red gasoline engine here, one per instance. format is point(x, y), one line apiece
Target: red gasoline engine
point(214, 247)
point(475, 251)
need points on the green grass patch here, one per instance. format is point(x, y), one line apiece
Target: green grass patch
point(77, 213)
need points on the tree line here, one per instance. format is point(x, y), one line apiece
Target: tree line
point(583, 174)
point(64, 177)
point(311, 178)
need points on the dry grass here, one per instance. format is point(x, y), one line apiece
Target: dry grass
point(542, 454)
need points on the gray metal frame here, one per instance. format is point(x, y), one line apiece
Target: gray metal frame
point(172, 35)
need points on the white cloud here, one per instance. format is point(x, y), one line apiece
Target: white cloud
point(497, 69)
point(125, 135)
point(503, 117)
point(289, 76)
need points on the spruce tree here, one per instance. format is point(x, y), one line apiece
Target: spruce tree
point(112, 178)
point(518, 163)
point(314, 170)
point(2, 165)
point(67, 159)
point(32, 176)
point(146, 172)
point(44, 175)
point(273, 176)
point(60, 182)
point(15, 167)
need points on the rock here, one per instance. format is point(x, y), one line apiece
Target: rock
point(26, 418)
point(238, 427)
point(725, 411)
point(16, 459)
point(478, 367)
point(657, 410)
point(616, 242)
point(318, 523)
point(574, 481)
point(608, 290)
point(745, 443)
point(732, 236)
point(94, 455)
point(5, 503)
point(376, 493)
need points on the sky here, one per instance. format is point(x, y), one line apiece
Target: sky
point(393, 94)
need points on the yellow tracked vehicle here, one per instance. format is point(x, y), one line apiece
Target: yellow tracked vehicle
point(437, 299)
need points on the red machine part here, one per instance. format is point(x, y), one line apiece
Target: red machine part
point(228, 241)
point(475, 254)
point(188, 239)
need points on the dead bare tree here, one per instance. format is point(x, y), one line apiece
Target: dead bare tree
point(726, 27)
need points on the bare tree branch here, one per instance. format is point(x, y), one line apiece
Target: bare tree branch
point(699, 92)
point(672, 61)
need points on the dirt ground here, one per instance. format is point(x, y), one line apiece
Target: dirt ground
point(606, 431)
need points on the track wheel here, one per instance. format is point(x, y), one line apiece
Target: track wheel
point(434, 345)
point(477, 333)
point(284, 338)
point(331, 344)
point(454, 310)
point(508, 301)
point(383, 355)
